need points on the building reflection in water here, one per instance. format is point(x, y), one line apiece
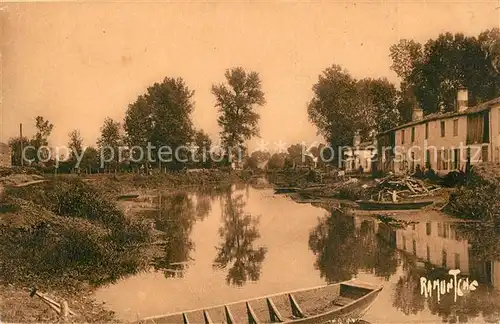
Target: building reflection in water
point(430, 249)
point(237, 251)
point(345, 245)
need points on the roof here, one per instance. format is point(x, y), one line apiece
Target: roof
point(367, 144)
point(4, 146)
point(437, 116)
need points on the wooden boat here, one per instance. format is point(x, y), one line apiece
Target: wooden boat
point(304, 198)
point(387, 205)
point(280, 190)
point(346, 300)
point(313, 189)
point(127, 196)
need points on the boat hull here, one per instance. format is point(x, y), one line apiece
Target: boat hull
point(343, 302)
point(349, 314)
point(285, 190)
point(377, 205)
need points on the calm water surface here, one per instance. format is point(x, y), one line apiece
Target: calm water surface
point(240, 242)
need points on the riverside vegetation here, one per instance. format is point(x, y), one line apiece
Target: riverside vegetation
point(67, 236)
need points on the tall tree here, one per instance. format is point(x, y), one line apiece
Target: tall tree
point(236, 102)
point(257, 159)
point(17, 145)
point(337, 109)
point(445, 64)
point(90, 160)
point(75, 146)
point(276, 161)
point(203, 145)
point(405, 55)
point(490, 43)
point(109, 143)
point(161, 117)
point(43, 131)
point(380, 97)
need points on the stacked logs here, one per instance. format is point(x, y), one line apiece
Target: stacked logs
point(396, 187)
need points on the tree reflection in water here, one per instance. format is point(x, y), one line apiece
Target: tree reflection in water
point(342, 250)
point(175, 218)
point(205, 196)
point(238, 233)
point(407, 297)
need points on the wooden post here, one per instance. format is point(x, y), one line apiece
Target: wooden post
point(65, 311)
point(21, 142)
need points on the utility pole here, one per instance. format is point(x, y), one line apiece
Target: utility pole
point(497, 9)
point(21, 142)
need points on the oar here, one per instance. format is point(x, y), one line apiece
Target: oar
point(52, 303)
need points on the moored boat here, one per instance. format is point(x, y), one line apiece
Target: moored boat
point(280, 190)
point(127, 196)
point(346, 300)
point(387, 205)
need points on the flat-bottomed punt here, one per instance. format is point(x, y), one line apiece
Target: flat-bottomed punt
point(282, 190)
point(386, 205)
point(346, 300)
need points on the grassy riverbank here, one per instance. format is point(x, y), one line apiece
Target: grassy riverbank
point(64, 237)
point(121, 183)
point(479, 197)
point(67, 236)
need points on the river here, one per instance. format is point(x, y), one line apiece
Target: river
point(242, 242)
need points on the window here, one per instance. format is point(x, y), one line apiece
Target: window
point(484, 153)
point(478, 128)
point(426, 130)
point(428, 228)
point(403, 136)
point(444, 256)
point(428, 163)
point(443, 128)
point(440, 230)
point(456, 159)
point(439, 163)
point(413, 134)
point(428, 254)
point(446, 230)
point(414, 247)
point(455, 127)
point(444, 159)
point(404, 243)
point(457, 261)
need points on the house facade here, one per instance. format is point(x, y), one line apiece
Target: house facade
point(5, 155)
point(361, 155)
point(443, 142)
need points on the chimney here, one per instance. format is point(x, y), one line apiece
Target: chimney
point(417, 113)
point(357, 138)
point(462, 99)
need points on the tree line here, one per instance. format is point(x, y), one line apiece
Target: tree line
point(430, 75)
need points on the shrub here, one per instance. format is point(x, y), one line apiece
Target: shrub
point(74, 198)
point(68, 232)
point(478, 199)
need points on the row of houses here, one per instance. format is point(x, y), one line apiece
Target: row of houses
point(440, 141)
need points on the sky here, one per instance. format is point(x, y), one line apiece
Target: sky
point(77, 63)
